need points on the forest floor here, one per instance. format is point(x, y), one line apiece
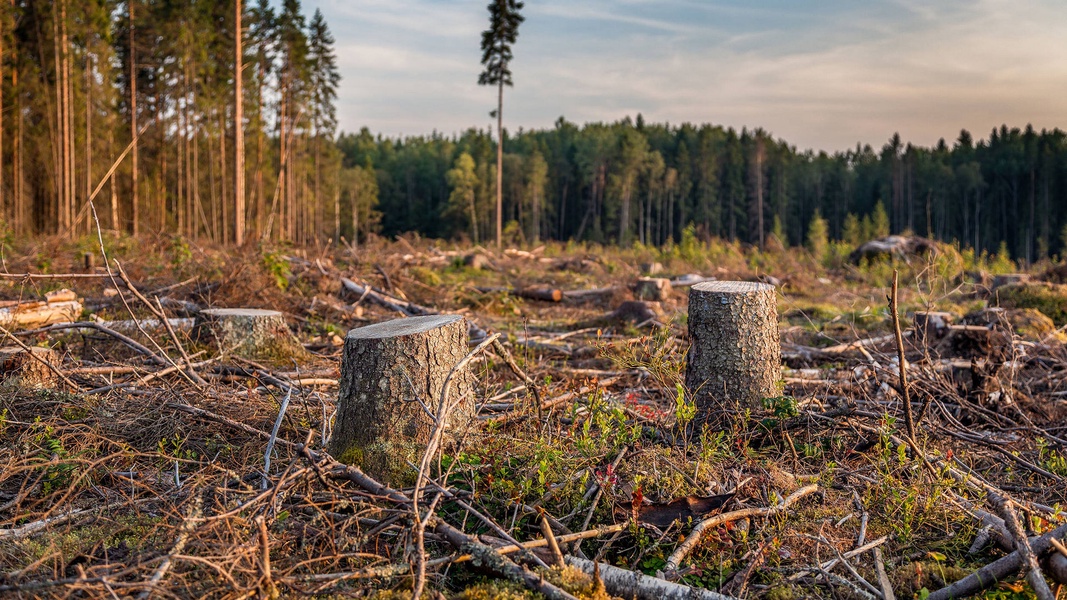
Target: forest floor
point(130, 479)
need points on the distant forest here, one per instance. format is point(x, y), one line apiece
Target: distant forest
point(132, 104)
point(634, 181)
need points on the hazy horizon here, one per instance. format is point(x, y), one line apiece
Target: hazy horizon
point(824, 75)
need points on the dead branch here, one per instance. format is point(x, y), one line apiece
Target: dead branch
point(674, 561)
point(998, 570)
point(630, 584)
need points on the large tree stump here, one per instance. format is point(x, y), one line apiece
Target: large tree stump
point(389, 371)
point(27, 368)
point(735, 357)
point(247, 332)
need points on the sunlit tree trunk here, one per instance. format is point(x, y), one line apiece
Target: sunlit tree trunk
point(134, 197)
point(238, 134)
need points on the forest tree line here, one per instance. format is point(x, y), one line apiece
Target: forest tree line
point(132, 103)
point(632, 181)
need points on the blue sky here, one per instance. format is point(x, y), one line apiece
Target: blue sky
point(822, 75)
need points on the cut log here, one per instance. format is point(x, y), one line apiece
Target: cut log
point(61, 306)
point(652, 288)
point(735, 358)
point(247, 332)
point(389, 372)
point(894, 246)
point(544, 294)
point(1009, 279)
point(28, 368)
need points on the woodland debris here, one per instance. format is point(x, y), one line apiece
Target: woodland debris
point(621, 583)
point(362, 292)
point(998, 570)
point(975, 341)
point(895, 246)
point(652, 288)
point(930, 326)
point(542, 293)
point(735, 357)
point(1049, 298)
point(60, 306)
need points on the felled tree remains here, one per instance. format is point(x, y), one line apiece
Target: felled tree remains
point(735, 359)
point(61, 306)
point(893, 246)
point(28, 368)
point(652, 288)
point(392, 374)
point(247, 332)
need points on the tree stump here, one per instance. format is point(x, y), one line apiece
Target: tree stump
point(27, 369)
point(652, 288)
point(931, 326)
point(247, 332)
point(735, 356)
point(388, 372)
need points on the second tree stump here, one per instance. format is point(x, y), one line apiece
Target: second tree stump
point(735, 356)
point(389, 371)
point(248, 332)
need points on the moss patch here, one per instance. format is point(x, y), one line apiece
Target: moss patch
point(1048, 298)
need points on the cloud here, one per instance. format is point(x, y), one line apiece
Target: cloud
point(824, 76)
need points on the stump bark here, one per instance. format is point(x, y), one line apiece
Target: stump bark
point(388, 372)
point(27, 369)
point(247, 332)
point(652, 288)
point(735, 357)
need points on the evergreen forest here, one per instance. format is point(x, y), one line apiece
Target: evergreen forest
point(132, 104)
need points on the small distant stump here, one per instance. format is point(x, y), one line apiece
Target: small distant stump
point(28, 368)
point(931, 326)
point(652, 268)
point(1009, 279)
point(247, 332)
point(735, 356)
point(652, 288)
point(387, 370)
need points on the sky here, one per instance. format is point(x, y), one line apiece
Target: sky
point(823, 75)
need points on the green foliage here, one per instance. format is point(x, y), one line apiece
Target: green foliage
point(879, 227)
point(817, 239)
point(276, 265)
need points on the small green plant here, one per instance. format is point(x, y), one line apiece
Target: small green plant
point(277, 267)
point(180, 252)
point(1052, 460)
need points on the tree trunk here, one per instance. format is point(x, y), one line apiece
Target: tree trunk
point(238, 135)
point(499, 163)
point(389, 371)
point(135, 225)
point(735, 357)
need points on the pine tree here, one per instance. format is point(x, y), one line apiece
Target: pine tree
point(504, 21)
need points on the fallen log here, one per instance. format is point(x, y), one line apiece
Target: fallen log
point(26, 315)
point(621, 583)
point(997, 570)
point(544, 294)
point(593, 294)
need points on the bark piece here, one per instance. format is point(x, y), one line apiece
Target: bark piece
point(735, 358)
point(27, 368)
point(621, 583)
point(247, 332)
point(652, 288)
point(389, 372)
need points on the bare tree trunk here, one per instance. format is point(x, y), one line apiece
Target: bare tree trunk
point(88, 127)
point(134, 198)
point(500, 163)
point(114, 193)
point(238, 133)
